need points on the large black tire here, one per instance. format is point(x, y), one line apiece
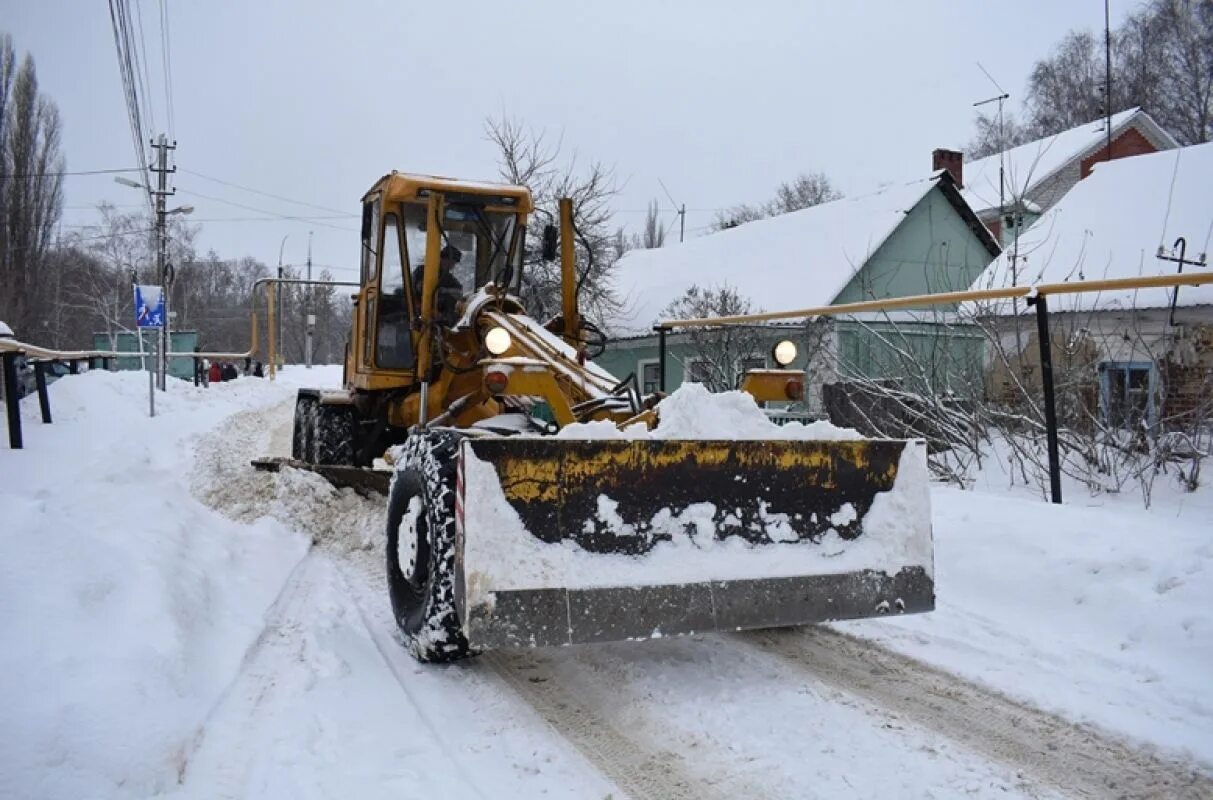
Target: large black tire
point(421, 575)
point(305, 426)
point(333, 435)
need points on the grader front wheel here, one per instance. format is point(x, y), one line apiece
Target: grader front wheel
point(420, 555)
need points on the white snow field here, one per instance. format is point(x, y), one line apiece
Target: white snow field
point(173, 623)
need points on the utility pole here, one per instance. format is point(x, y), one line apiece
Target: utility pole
point(309, 311)
point(278, 296)
point(1107, 96)
point(162, 191)
point(681, 210)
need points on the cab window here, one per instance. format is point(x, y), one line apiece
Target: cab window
point(394, 338)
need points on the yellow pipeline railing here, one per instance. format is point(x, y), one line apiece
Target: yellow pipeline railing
point(1035, 296)
point(943, 298)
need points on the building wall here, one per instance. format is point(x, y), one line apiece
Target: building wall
point(1179, 357)
point(1133, 141)
point(1129, 143)
point(933, 250)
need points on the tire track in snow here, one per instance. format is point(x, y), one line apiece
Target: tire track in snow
point(391, 651)
point(252, 686)
point(641, 770)
point(1053, 751)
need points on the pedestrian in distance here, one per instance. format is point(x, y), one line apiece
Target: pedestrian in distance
point(229, 371)
point(258, 372)
point(214, 374)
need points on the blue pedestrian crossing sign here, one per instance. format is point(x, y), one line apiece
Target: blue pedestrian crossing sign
point(149, 306)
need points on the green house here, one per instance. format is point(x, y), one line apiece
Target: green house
point(912, 239)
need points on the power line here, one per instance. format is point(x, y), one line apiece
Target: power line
point(89, 238)
point(141, 61)
point(166, 58)
point(73, 172)
point(119, 19)
point(267, 194)
point(264, 211)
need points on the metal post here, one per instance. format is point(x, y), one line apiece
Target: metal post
point(278, 298)
point(682, 222)
point(44, 400)
point(105, 363)
point(272, 328)
point(10, 400)
point(309, 316)
point(151, 393)
point(661, 331)
point(1046, 377)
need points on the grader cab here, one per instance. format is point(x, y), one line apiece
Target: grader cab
point(502, 532)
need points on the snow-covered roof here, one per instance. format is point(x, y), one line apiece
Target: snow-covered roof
point(1111, 226)
point(804, 258)
point(1029, 164)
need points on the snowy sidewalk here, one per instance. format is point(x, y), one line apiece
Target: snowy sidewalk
point(168, 628)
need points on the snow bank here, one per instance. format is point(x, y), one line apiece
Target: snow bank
point(1100, 613)
point(125, 604)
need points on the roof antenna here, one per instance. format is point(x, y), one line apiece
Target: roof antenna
point(1002, 140)
point(681, 210)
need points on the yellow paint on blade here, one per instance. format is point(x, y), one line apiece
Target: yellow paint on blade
point(532, 477)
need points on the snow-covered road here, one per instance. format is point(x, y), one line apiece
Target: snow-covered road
point(306, 692)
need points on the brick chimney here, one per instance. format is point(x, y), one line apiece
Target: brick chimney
point(950, 160)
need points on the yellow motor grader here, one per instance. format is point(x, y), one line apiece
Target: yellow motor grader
point(502, 532)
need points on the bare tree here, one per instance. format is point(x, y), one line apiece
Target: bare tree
point(654, 232)
point(995, 136)
point(528, 158)
point(1162, 62)
point(805, 190)
point(737, 215)
point(719, 353)
point(31, 194)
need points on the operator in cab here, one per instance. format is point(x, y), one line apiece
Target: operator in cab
point(449, 291)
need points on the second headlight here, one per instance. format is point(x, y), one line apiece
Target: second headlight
point(497, 340)
point(784, 353)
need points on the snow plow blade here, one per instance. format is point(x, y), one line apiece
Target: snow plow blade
point(569, 541)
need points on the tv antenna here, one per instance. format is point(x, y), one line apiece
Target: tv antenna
point(1000, 98)
point(681, 210)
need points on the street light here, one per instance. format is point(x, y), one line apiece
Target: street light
point(128, 182)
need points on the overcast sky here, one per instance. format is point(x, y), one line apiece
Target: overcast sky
point(314, 100)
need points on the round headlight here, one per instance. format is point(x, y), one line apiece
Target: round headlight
point(497, 340)
point(784, 353)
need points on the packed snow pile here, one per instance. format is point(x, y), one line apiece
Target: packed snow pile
point(126, 605)
point(692, 412)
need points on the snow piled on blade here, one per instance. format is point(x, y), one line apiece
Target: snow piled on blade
point(692, 412)
point(501, 554)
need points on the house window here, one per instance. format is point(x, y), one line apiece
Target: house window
point(650, 376)
point(698, 371)
point(1127, 393)
point(752, 362)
